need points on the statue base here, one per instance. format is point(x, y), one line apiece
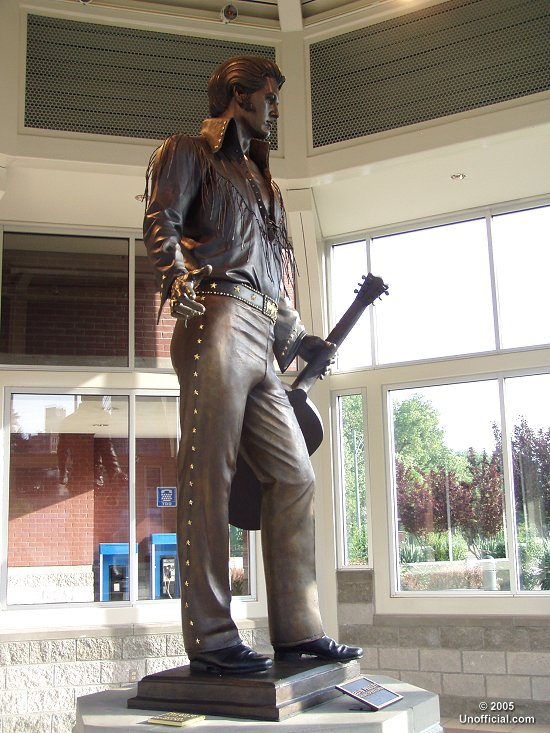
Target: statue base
point(286, 689)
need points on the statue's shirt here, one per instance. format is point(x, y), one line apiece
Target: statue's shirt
point(203, 200)
point(203, 209)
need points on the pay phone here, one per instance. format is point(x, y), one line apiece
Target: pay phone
point(164, 566)
point(117, 582)
point(168, 576)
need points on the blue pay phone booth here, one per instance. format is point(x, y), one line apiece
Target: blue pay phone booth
point(164, 566)
point(113, 571)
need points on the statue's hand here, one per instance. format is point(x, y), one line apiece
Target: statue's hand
point(316, 349)
point(183, 298)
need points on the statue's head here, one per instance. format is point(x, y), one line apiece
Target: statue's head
point(245, 74)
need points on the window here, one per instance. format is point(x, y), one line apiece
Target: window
point(522, 261)
point(528, 408)
point(353, 509)
point(70, 490)
point(156, 505)
point(152, 339)
point(448, 484)
point(455, 527)
point(349, 263)
point(459, 447)
point(58, 291)
point(68, 499)
point(443, 284)
point(440, 292)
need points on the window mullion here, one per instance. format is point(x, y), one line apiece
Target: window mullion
point(371, 311)
point(132, 530)
point(131, 302)
point(493, 278)
point(509, 497)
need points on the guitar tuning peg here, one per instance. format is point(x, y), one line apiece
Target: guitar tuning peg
point(364, 277)
point(355, 291)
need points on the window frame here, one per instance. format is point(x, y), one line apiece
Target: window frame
point(376, 381)
point(134, 608)
point(337, 469)
point(128, 381)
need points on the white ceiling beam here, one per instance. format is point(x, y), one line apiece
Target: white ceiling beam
point(290, 15)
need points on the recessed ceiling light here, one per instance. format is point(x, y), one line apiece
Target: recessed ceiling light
point(458, 176)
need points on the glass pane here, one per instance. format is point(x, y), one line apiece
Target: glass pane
point(64, 300)
point(521, 243)
point(152, 339)
point(156, 452)
point(349, 263)
point(68, 499)
point(528, 404)
point(156, 501)
point(239, 561)
point(449, 491)
point(440, 293)
point(352, 471)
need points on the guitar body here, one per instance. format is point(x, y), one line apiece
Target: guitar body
point(245, 502)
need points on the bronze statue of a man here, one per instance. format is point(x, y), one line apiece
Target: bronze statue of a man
point(216, 234)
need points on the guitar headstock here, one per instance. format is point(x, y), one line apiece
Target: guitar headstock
point(371, 288)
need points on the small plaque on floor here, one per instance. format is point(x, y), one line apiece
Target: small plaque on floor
point(370, 693)
point(178, 720)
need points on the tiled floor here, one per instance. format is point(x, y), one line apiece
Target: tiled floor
point(452, 725)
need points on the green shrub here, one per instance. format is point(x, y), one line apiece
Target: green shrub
point(440, 543)
point(531, 558)
point(493, 546)
point(357, 545)
point(411, 551)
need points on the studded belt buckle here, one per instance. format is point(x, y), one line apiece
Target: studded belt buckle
point(270, 309)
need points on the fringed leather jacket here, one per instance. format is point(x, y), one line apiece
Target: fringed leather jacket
point(202, 208)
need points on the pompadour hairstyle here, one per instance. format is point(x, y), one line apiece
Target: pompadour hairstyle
point(244, 73)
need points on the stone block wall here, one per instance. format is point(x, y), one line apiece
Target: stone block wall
point(466, 660)
point(43, 673)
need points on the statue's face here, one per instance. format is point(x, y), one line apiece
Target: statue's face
point(260, 110)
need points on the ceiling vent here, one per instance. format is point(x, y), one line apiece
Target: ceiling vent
point(105, 80)
point(449, 58)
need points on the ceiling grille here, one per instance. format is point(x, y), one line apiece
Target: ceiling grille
point(106, 80)
point(452, 57)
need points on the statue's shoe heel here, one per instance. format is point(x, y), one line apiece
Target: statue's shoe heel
point(290, 656)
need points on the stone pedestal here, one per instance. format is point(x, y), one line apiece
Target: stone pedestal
point(418, 712)
point(284, 690)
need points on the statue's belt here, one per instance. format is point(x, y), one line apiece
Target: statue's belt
point(240, 291)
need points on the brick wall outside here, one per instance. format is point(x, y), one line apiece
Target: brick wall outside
point(464, 659)
point(74, 306)
point(58, 304)
point(152, 340)
point(55, 524)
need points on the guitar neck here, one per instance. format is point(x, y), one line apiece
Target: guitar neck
point(311, 372)
point(342, 329)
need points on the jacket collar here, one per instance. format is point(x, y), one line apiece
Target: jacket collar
point(218, 131)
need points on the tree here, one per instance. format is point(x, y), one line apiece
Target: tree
point(415, 501)
point(420, 439)
point(531, 466)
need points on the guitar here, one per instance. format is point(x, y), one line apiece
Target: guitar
point(246, 494)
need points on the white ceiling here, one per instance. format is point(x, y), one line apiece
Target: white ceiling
point(499, 166)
